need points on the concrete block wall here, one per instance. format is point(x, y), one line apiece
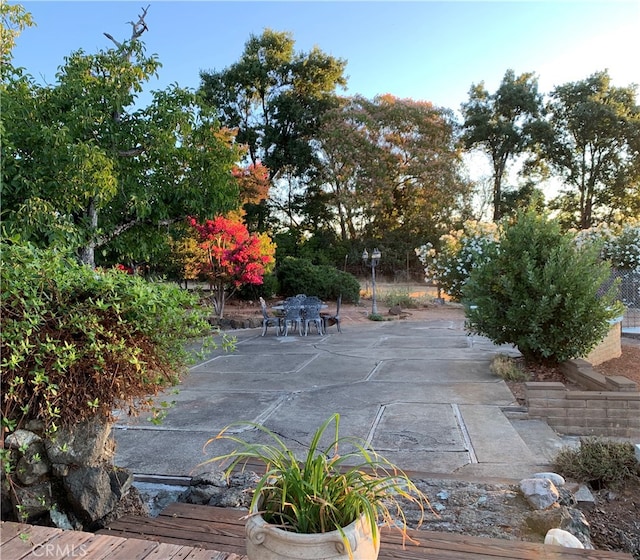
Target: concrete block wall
point(611, 408)
point(607, 349)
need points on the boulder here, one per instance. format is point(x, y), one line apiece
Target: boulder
point(562, 538)
point(541, 493)
point(85, 444)
point(94, 492)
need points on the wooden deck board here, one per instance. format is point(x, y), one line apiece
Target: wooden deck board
point(223, 529)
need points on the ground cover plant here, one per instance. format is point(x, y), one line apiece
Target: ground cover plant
point(78, 343)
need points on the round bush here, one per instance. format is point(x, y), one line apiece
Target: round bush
point(540, 292)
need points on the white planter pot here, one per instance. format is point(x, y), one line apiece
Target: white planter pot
point(268, 542)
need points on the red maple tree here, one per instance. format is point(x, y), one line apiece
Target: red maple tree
point(234, 257)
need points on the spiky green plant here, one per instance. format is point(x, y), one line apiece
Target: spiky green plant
point(326, 491)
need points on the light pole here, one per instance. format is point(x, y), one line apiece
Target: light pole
point(375, 259)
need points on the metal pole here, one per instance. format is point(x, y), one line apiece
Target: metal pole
point(374, 305)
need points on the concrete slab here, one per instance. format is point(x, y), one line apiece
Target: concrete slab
point(420, 391)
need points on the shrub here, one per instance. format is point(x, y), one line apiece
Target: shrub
point(252, 292)
point(600, 462)
point(78, 343)
point(506, 368)
point(403, 299)
point(300, 276)
point(540, 292)
point(449, 265)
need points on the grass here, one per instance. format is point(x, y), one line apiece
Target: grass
point(507, 369)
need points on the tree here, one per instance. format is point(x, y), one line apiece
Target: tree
point(275, 96)
point(500, 124)
point(391, 169)
point(592, 139)
point(83, 167)
point(233, 256)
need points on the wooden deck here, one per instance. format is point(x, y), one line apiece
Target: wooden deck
point(31, 542)
point(222, 529)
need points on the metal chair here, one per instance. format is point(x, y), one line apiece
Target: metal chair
point(328, 319)
point(292, 318)
point(312, 315)
point(269, 320)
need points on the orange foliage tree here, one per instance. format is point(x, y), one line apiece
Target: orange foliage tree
point(234, 257)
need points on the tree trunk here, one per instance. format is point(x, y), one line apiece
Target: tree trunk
point(86, 253)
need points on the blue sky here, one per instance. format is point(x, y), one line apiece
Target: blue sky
point(424, 50)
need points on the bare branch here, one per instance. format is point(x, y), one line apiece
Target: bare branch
point(113, 40)
point(140, 26)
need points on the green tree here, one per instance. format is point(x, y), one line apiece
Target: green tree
point(593, 140)
point(84, 167)
point(542, 292)
point(275, 96)
point(392, 170)
point(500, 124)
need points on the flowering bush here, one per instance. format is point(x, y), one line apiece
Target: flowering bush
point(620, 245)
point(459, 252)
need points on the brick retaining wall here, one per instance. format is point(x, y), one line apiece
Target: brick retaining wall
point(609, 407)
point(609, 348)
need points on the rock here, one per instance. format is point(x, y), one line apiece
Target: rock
point(60, 520)
point(553, 477)
point(562, 538)
point(566, 518)
point(95, 491)
point(637, 451)
point(32, 502)
point(21, 439)
point(33, 464)
point(541, 493)
point(85, 444)
point(584, 498)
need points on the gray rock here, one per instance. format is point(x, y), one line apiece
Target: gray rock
point(60, 520)
point(553, 477)
point(33, 465)
point(95, 491)
point(21, 439)
point(541, 493)
point(33, 501)
point(568, 519)
point(86, 444)
point(584, 497)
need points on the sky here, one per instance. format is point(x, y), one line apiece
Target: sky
point(424, 50)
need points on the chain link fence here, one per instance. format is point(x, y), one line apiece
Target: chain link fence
point(629, 294)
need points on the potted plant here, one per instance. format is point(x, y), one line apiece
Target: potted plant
point(328, 504)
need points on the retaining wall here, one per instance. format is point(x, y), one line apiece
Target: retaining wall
point(609, 406)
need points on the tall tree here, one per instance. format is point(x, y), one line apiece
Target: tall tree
point(390, 164)
point(275, 97)
point(500, 124)
point(84, 167)
point(592, 139)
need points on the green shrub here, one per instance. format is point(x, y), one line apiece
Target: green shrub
point(300, 276)
point(540, 291)
point(401, 298)
point(600, 462)
point(79, 343)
